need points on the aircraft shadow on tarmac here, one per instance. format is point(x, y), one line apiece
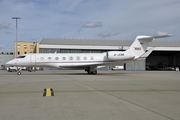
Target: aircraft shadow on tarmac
point(104, 73)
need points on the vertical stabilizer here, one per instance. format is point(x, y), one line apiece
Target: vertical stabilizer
point(141, 43)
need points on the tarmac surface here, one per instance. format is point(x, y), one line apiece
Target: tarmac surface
point(109, 95)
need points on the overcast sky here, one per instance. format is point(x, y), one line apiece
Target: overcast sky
point(87, 19)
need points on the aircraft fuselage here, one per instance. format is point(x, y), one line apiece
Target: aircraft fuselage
point(71, 60)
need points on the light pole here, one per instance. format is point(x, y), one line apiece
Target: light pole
point(16, 36)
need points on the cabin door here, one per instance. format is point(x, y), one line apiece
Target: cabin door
point(33, 60)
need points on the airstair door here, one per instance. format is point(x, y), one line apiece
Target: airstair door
point(33, 60)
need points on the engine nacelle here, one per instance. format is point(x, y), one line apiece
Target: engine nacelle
point(118, 56)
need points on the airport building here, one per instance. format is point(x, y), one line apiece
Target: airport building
point(25, 48)
point(164, 56)
point(4, 57)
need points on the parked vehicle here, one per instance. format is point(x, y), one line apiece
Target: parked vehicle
point(118, 68)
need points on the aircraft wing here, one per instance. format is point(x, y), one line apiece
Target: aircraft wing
point(81, 65)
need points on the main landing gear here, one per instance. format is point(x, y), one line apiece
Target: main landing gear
point(89, 71)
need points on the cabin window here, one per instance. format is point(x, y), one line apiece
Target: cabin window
point(70, 58)
point(64, 58)
point(56, 58)
point(49, 58)
point(78, 58)
point(85, 58)
point(42, 58)
point(92, 58)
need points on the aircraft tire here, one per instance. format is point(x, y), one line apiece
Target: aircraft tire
point(19, 73)
point(94, 72)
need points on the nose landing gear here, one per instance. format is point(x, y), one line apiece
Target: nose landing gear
point(18, 71)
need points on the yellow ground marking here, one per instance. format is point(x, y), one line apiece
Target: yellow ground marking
point(48, 92)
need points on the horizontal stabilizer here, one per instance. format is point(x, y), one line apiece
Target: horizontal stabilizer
point(154, 37)
point(146, 54)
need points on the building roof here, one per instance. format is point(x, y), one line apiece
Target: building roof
point(63, 41)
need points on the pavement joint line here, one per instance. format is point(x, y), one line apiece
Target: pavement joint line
point(51, 92)
point(117, 91)
point(133, 103)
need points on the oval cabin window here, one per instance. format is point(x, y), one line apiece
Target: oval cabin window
point(42, 58)
point(71, 58)
point(92, 58)
point(78, 58)
point(56, 58)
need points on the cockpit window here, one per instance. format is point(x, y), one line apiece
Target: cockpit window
point(21, 56)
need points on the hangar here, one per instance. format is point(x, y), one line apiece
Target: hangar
point(164, 55)
point(4, 57)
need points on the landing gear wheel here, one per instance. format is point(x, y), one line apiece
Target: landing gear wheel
point(94, 72)
point(89, 71)
point(19, 73)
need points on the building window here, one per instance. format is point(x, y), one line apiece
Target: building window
point(75, 51)
point(25, 52)
point(18, 53)
point(64, 51)
point(54, 50)
point(25, 46)
point(31, 46)
point(18, 46)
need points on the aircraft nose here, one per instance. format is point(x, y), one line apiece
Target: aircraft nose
point(9, 63)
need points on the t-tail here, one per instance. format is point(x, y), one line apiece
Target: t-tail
point(139, 46)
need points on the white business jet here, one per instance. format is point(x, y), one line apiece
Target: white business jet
point(87, 61)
